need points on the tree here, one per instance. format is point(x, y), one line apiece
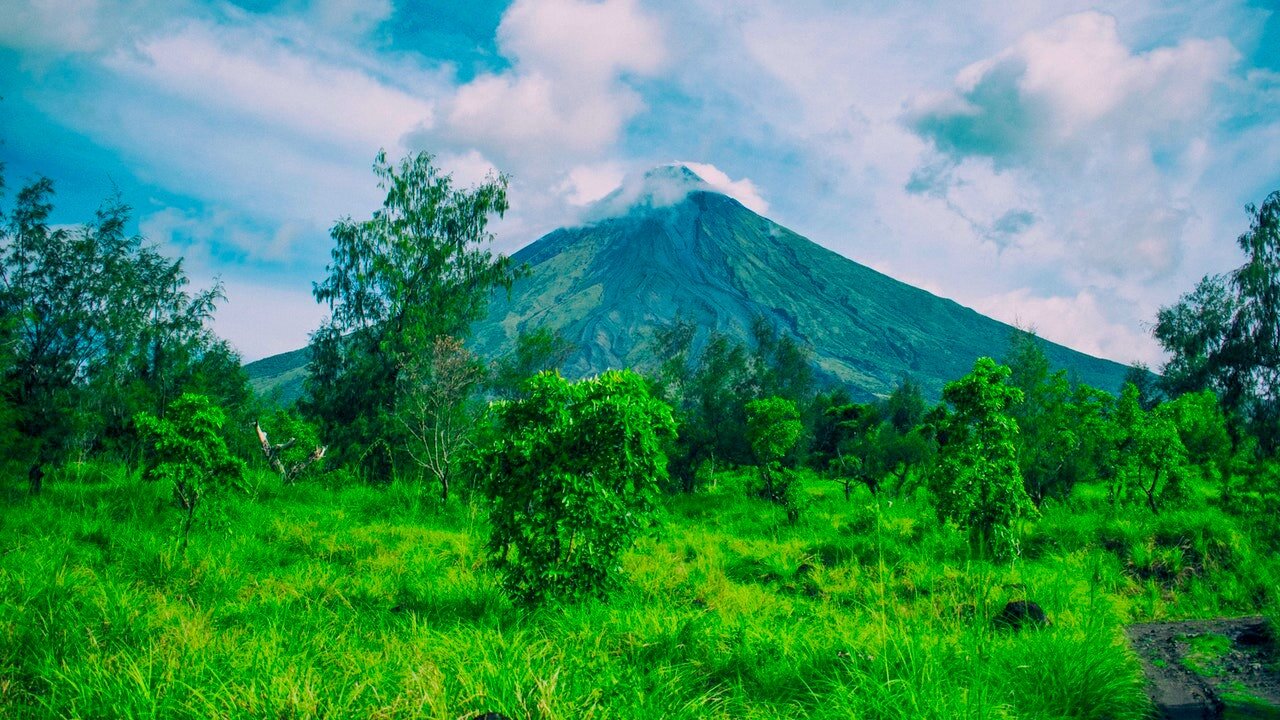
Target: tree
point(1202, 430)
point(708, 387)
point(780, 366)
point(1150, 458)
point(417, 270)
point(572, 471)
point(773, 428)
point(1225, 335)
point(302, 450)
point(905, 407)
point(535, 351)
point(189, 452)
point(434, 388)
point(99, 321)
point(975, 479)
point(1052, 429)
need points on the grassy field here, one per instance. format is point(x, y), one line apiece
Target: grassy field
point(359, 602)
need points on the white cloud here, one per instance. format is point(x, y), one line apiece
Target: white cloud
point(567, 94)
point(585, 184)
point(1076, 83)
point(742, 190)
point(194, 235)
point(240, 74)
point(1081, 321)
point(81, 26)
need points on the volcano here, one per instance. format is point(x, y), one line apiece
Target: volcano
point(671, 246)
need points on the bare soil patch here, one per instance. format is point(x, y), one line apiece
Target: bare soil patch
point(1209, 669)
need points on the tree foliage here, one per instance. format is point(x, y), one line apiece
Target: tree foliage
point(419, 269)
point(573, 472)
point(1150, 462)
point(773, 428)
point(708, 386)
point(100, 326)
point(1225, 334)
point(1061, 429)
point(975, 479)
point(535, 351)
point(189, 453)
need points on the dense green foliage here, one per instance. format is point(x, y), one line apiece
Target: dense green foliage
point(976, 479)
point(97, 326)
point(535, 351)
point(572, 472)
point(188, 454)
point(773, 428)
point(1062, 430)
point(418, 270)
point(1225, 335)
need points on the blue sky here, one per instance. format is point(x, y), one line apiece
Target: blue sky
point(1065, 165)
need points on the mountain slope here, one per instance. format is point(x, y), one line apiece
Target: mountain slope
point(676, 247)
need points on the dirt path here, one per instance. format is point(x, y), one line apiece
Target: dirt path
point(1208, 669)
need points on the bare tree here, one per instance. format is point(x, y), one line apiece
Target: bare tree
point(434, 388)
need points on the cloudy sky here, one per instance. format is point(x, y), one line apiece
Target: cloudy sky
point(1064, 165)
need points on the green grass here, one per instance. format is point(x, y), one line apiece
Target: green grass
point(1205, 654)
point(309, 601)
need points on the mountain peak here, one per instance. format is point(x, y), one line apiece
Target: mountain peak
point(659, 187)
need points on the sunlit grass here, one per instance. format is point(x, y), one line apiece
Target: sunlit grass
point(311, 601)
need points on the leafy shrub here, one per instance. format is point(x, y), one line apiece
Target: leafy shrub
point(188, 450)
point(573, 471)
point(976, 479)
point(773, 428)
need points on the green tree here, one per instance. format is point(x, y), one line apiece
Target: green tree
point(905, 407)
point(1053, 438)
point(102, 326)
point(535, 351)
point(975, 479)
point(1150, 460)
point(708, 387)
point(773, 428)
point(189, 452)
point(1225, 335)
point(780, 366)
point(419, 269)
point(572, 471)
point(1202, 429)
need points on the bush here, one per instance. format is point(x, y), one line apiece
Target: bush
point(573, 470)
point(188, 450)
point(976, 479)
point(773, 428)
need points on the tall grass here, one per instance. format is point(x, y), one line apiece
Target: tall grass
point(343, 602)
